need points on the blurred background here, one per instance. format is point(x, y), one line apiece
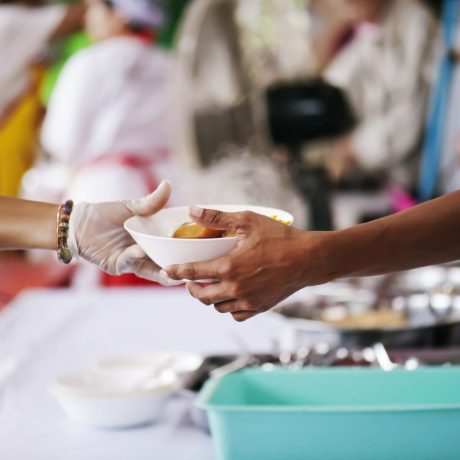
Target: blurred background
point(337, 111)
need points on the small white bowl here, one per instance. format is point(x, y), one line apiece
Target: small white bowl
point(154, 235)
point(181, 363)
point(111, 400)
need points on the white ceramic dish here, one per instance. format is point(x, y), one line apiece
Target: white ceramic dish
point(153, 235)
point(114, 399)
point(183, 364)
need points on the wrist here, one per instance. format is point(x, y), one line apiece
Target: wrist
point(50, 237)
point(74, 227)
point(34, 226)
point(351, 252)
point(322, 258)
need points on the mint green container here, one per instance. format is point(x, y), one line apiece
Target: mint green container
point(335, 414)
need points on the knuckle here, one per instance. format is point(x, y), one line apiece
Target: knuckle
point(220, 308)
point(192, 289)
point(172, 272)
point(226, 268)
point(235, 291)
point(212, 216)
point(189, 271)
point(240, 318)
point(245, 217)
point(205, 300)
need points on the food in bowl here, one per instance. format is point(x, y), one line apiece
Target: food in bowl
point(192, 230)
point(282, 221)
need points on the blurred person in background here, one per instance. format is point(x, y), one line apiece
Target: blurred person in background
point(107, 124)
point(386, 70)
point(26, 28)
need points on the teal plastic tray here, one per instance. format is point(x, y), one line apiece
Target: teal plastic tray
point(332, 414)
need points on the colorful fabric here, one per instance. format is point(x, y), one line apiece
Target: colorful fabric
point(143, 12)
point(438, 111)
point(18, 136)
point(175, 9)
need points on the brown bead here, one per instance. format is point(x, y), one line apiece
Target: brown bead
point(65, 255)
point(68, 207)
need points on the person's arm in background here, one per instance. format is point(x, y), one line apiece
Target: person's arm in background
point(272, 261)
point(71, 22)
point(96, 231)
point(34, 27)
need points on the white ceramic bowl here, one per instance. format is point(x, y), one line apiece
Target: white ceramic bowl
point(111, 399)
point(153, 235)
point(181, 363)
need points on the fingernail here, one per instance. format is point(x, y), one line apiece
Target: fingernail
point(196, 212)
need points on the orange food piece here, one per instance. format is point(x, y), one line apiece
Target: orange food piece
point(191, 230)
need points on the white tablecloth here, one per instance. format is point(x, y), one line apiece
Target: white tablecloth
point(45, 334)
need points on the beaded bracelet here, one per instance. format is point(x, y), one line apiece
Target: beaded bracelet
point(63, 217)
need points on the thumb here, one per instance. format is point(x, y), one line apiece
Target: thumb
point(152, 203)
point(212, 218)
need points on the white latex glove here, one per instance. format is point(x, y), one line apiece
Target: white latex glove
point(96, 234)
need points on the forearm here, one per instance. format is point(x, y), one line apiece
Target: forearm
point(72, 22)
point(27, 224)
point(424, 235)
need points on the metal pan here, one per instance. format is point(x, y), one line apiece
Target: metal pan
point(428, 299)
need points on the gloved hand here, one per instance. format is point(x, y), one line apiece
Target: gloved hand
point(96, 234)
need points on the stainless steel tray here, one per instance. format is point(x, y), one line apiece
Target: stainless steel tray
point(429, 300)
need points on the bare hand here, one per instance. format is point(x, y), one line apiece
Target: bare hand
point(266, 267)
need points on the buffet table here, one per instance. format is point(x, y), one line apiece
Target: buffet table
point(45, 334)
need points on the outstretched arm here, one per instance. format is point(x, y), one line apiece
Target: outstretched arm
point(96, 231)
point(424, 235)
